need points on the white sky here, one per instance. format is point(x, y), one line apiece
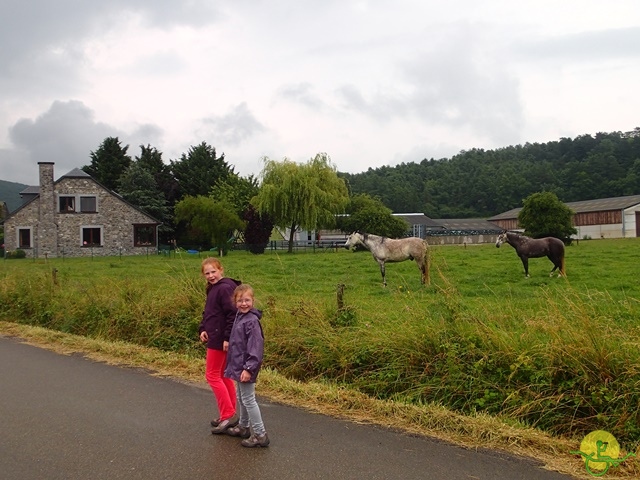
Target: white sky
point(369, 82)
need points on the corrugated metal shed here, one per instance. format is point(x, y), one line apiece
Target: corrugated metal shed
point(418, 219)
point(603, 204)
point(468, 224)
point(584, 206)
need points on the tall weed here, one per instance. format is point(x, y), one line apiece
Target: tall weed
point(559, 354)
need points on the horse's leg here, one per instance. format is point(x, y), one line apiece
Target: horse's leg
point(525, 264)
point(426, 267)
point(384, 279)
point(557, 265)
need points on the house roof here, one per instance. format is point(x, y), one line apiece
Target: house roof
point(75, 173)
point(34, 192)
point(583, 206)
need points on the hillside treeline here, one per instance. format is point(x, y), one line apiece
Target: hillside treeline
point(482, 183)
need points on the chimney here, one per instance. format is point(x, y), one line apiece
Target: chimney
point(47, 230)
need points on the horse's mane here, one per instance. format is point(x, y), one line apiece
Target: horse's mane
point(377, 238)
point(518, 235)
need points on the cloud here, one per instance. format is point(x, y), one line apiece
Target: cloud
point(44, 42)
point(233, 128)
point(458, 80)
point(589, 46)
point(36, 23)
point(301, 93)
point(66, 134)
point(370, 82)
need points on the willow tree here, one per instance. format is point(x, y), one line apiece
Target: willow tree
point(301, 196)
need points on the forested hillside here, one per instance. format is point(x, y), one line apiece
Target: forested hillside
point(10, 194)
point(482, 183)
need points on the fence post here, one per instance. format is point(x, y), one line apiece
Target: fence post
point(340, 296)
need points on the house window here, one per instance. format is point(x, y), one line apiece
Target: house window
point(91, 236)
point(67, 204)
point(144, 235)
point(25, 239)
point(88, 204)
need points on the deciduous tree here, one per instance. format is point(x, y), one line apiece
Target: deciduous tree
point(215, 220)
point(306, 196)
point(239, 191)
point(544, 215)
point(368, 214)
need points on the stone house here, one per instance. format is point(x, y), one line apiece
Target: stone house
point(75, 216)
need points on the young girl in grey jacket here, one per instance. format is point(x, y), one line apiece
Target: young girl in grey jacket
point(244, 359)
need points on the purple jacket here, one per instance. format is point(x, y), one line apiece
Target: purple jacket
point(219, 312)
point(246, 346)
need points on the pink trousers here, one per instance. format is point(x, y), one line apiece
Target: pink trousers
point(223, 388)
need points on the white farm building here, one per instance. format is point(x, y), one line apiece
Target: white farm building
point(616, 217)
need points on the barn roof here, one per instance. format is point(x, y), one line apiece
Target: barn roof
point(418, 219)
point(598, 205)
point(468, 224)
point(583, 206)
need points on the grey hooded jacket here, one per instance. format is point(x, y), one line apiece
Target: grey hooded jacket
point(246, 345)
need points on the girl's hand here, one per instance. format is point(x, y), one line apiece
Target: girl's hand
point(204, 337)
point(225, 346)
point(245, 376)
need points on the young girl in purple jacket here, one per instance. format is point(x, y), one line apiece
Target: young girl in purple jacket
point(215, 329)
point(246, 348)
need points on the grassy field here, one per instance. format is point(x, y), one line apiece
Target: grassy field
point(558, 354)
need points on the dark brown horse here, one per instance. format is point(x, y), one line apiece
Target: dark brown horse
point(527, 247)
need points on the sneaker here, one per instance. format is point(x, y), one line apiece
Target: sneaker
point(239, 431)
point(256, 441)
point(225, 424)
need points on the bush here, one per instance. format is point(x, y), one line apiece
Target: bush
point(19, 253)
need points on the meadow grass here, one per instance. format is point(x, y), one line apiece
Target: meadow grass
point(557, 354)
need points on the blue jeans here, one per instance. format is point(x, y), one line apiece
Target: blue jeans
point(249, 409)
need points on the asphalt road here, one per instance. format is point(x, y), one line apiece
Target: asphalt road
point(67, 417)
